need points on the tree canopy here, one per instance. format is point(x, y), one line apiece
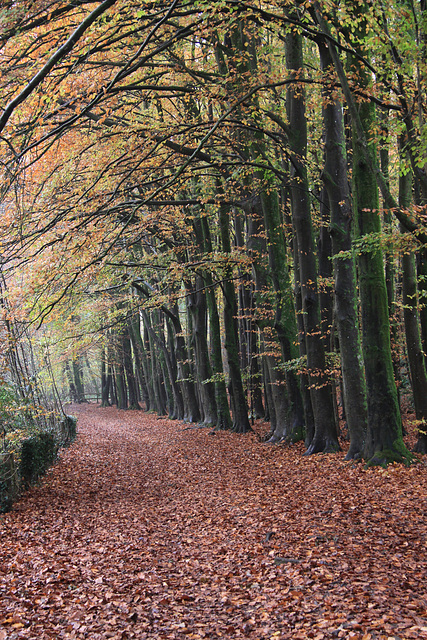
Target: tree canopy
point(221, 204)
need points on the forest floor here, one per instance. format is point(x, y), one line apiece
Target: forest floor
point(146, 528)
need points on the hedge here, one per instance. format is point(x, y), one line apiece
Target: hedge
point(37, 454)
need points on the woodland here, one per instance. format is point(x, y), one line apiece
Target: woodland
point(216, 211)
point(213, 244)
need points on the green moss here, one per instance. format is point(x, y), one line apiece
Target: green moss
point(399, 453)
point(8, 482)
point(297, 434)
point(38, 453)
point(68, 428)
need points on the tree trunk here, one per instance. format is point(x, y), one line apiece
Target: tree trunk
point(390, 266)
point(275, 315)
point(335, 178)
point(78, 379)
point(71, 385)
point(139, 367)
point(105, 380)
point(177, 406)
point(284, 321)
point(191, 406)
point(196, 301)
point(132, 384)
point(416, 360)
point(384, 441)
point(304, 379)
point(119, 370)
point(257, 408)
point(238, 399)
point(155, 371)
point(142, 363)
point(422, 292)
point(325, 435)
point(222, 407)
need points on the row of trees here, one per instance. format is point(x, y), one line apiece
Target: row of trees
point(230, 198)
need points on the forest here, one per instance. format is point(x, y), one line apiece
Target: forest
point(213, 272)
point(217, 211)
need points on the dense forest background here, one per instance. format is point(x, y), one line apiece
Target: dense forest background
point(217, 210)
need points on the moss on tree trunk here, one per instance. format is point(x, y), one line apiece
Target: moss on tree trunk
point(384, 440)
point(336, 183)
point(325, 438)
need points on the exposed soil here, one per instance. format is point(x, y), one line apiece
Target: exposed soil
point(147, 529)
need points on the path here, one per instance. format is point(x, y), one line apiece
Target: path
point(146, 530)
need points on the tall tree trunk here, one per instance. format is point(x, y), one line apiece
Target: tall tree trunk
point(255, 372)
point(196, 301)
point(105, 380)
point(304, 378)
point(132, 384)
point(416, 359)
point(177, 406)
point(134, 332)
point(275, 314)
point(335, 178)
point(384, 441)
point(155, 372)
point(110, 371)
point(222, 407)
point(144, 362)
point(243, 296)
point(326, 300)
point(191, 406)
point(71, 385)
point(183, 371)
point(422, 292)
point(284, 321)
point(93, 378)
point(242, 65)
point(390, 263)
point(325, 437)
point(238, 399)
point(78, 379)
point(119, 371)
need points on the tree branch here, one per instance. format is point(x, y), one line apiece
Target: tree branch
point(53, 60)
point(407, 221)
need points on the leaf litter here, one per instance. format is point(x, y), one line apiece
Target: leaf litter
point(144, 529)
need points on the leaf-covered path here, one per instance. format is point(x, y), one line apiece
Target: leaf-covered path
point(146, 529)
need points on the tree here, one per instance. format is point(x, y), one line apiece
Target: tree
point(325, 436)
point(166, 160)
point(334, 175)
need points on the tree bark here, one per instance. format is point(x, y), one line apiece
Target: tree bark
point(222, 406)
point(384, 440)
point(71, 385)
point(105, 380)
point(132, 384)
point(78, 379)
point(325, 437)
point(416, 359)
point(196, 301)
point(239, 405)
point(336, 182)
point(176, 410)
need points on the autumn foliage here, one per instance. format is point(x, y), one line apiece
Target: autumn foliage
point(206, 208)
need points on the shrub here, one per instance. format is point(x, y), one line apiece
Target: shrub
point(68, 429)
point(9, 485)
point(37, 454)
point(31, 440)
